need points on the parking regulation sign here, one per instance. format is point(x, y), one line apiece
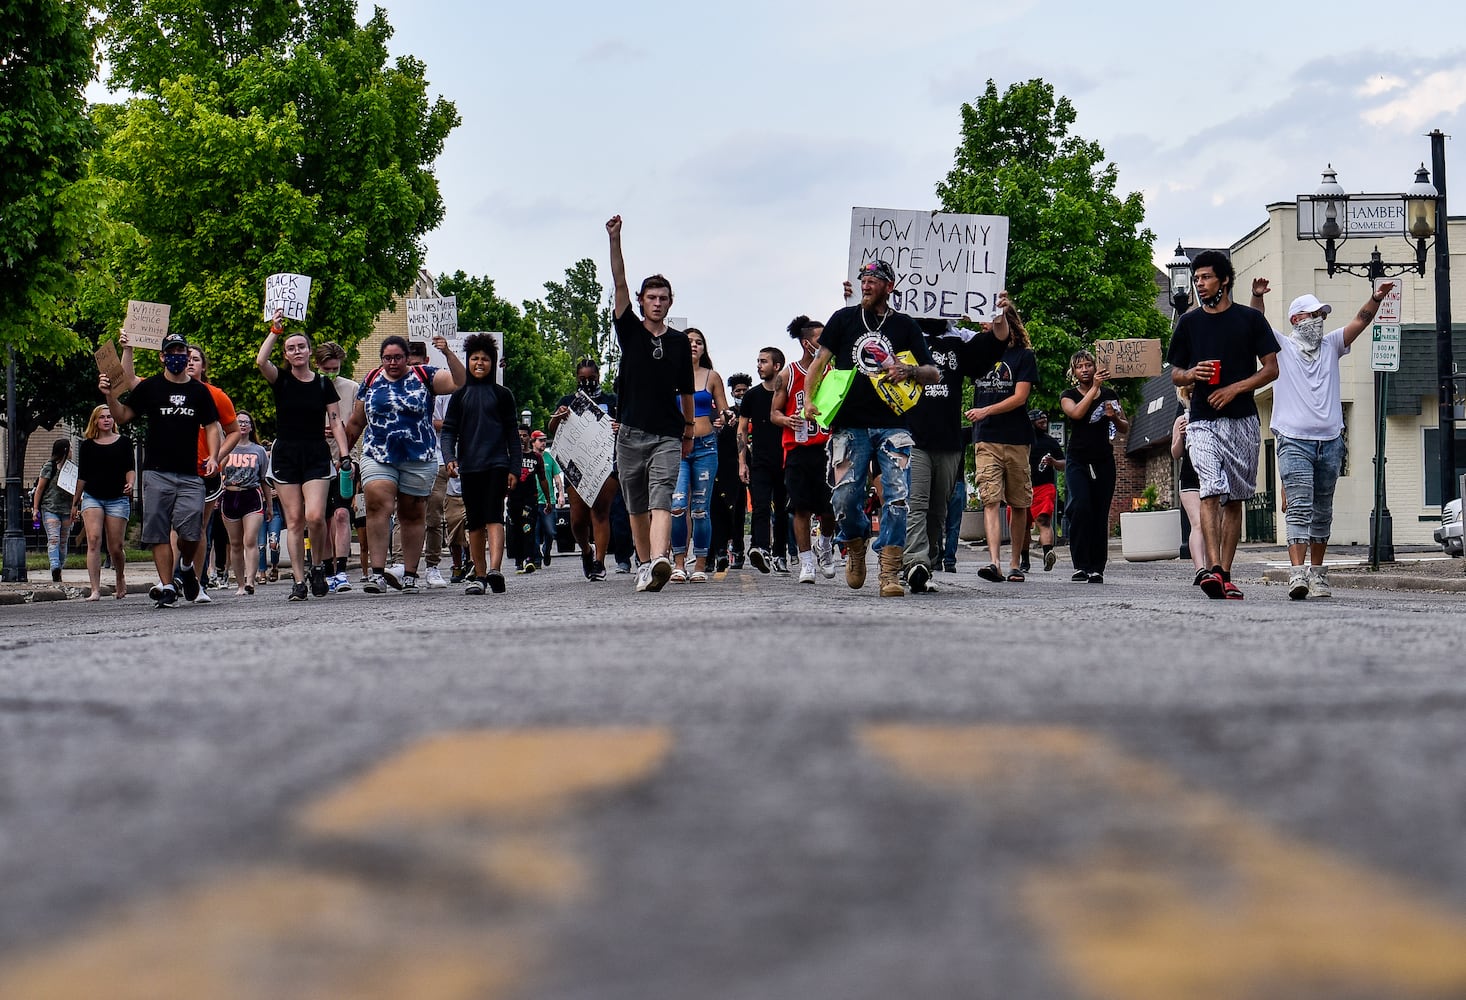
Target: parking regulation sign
point(1384, 348)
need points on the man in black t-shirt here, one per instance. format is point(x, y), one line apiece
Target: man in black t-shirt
point(654, 435)
point(761, 464)
point(885, 351)
point(729, 503)
point(1003, 437)
point(1217, 349)
point(176, 408)
point(1045, 457)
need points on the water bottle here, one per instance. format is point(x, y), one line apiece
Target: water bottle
point(344, 481)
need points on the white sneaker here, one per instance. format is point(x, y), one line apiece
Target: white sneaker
point(1298, 582)
point(433, 579)
point(806, 570)
point(660, 572)
point(643, 577)
point(394, 575)
point(1318, 582)
point(343, 583)
point(203, 597)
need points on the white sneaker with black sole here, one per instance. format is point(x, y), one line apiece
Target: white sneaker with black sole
point(433, 579)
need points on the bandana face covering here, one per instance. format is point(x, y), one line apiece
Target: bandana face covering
point(589, 386)
point(175, 363)
point(1213, 301)
point(1308, 333)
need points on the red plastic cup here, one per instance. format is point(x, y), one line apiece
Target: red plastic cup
point(1216, 373)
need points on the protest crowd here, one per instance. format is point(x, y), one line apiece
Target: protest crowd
point(846, 449)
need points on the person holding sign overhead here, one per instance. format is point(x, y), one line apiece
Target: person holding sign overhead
point(654, 435)
point(888, 354)
point(305, 400)
point(1091, 408)
point(177, 409)
point(1308, 423)
point(1217, 349)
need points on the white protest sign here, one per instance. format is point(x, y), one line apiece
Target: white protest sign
point(428, 318)
point(66, 476)
point(146, 324)
point(290, 292)
point(585, 447)
point(455, 344)
point(947, 265)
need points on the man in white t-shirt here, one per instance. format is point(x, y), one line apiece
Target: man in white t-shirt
point(1308, 423)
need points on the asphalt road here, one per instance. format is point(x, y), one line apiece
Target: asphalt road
point(749, 789)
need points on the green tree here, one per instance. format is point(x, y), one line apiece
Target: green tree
point(538, 369)
point(268, 136)
point(1079, 261)
point(47, 57)
point(574, 313)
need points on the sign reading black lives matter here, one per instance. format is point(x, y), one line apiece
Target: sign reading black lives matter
point(584, 446)
point(429, 318)
point(947, 265)
point(290, 292)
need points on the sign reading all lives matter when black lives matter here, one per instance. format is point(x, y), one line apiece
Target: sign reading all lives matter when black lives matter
point(584, 446)
point(947, 265)
point(290, 292)
point(146, 324)
point(455, 344)
point(1133, 358)
point(429, 318)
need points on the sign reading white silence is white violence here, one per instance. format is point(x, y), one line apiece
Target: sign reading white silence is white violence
point(947, 265)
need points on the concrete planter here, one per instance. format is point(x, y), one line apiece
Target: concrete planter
point(1150, 535)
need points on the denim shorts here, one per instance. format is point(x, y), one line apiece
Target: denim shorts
point(121, 507)
point(413, 479)
point(648, 465)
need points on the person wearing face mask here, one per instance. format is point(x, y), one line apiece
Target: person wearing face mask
point(1226, 352)
point(590, 519)
point(1308, 423)
point(176, 408)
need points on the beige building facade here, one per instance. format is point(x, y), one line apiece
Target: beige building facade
point(1295, 267)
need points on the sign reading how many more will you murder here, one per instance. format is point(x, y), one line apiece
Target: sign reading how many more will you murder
point(947, 265)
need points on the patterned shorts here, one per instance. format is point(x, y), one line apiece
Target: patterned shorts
point(1224, 453)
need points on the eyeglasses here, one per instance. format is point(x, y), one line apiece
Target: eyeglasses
point(394, 357)
point(657, 350)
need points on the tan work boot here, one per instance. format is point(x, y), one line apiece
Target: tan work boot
point(890, 557)
point(855, 562)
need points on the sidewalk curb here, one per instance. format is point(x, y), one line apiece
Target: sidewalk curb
point(1380, 581)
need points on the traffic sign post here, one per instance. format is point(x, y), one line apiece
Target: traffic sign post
point(1384, 348)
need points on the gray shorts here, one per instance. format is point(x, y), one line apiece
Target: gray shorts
point(172, 502)
point(1224, 453)
point(648, 466)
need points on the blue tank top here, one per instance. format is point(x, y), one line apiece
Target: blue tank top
point(702, 403)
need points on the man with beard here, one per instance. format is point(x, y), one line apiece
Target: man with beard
point(1217, 350)
point(1308, 423)
point(885, 349)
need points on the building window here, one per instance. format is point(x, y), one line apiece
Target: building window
point(1432, 463)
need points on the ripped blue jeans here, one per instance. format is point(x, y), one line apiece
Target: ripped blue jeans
point(850, 452)
point(1310, 472)
point(693, 492)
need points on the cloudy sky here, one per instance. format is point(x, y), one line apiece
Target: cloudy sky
point(735, 138)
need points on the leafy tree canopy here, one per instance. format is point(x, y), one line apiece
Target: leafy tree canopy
point(46, 60)
point(1079, 261)
point(575, 312)
point(269, 136)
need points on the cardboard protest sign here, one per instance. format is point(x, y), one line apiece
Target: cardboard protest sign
point(146, 325)
point(1134, 358)
point(455, 344)
point(947, 265)
point(66, 476)
point(427, 318)
point(109, 363)
point(291, 292)
point(585, 447)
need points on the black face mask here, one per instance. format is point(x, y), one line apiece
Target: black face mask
point(589, 386)
point(1215, 300)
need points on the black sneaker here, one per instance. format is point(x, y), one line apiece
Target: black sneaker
point(1023, 565)
point(737, 560)
point(760, 560)
point(457, 576)
point(189, 584)
point(917, 578)
point(319, 586)
point(1080, 576)
point(163, 597)
point(598, 571)
point(496, 581)
point(475, 585)
point(950, 566)
point(298, 592)
point(1096, 578)
point(721, 565)
point(55, 576)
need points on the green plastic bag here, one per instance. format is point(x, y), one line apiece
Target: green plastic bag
point(832, 392)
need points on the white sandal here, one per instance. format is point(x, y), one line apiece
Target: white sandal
point(698, 576)
point(679, 575)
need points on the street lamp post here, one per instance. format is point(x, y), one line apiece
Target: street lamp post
point(1179, 268)
point(1329, 217)
point(1444, 364)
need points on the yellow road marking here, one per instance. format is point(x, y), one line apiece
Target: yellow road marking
point(1189, 898)
point(527, 774)
point(479, 806)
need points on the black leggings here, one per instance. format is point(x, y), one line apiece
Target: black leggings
point(1091, 487)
